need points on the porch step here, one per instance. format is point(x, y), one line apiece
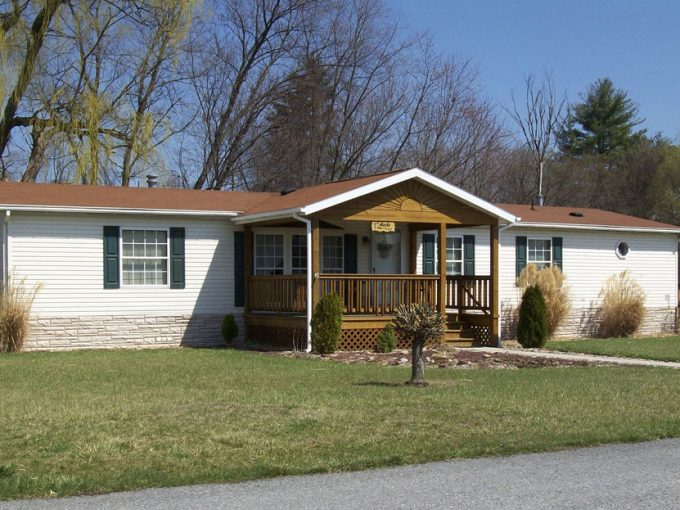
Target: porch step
point(457, 338)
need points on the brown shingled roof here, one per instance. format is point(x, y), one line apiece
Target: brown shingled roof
point(313, 194)
point(76, 195)
point(590, 217)
point(117, 197)
point(172, 199)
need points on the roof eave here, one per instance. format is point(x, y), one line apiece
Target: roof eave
point(615, 228)
point(266, 216)
point(116, 210)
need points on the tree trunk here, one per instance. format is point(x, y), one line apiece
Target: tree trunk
point(417, 363)
point(37, 157)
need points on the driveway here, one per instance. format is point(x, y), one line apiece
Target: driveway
point(622, 476)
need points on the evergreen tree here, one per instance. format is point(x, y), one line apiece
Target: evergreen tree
point(602, 123)
point(299, 128)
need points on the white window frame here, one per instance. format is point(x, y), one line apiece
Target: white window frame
point(543, 263)
point(286, 249)
point(122, 256)
point(453, 261)
point(333, 270)
point(298, 270)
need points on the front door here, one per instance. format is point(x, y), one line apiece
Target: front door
point(386, 253)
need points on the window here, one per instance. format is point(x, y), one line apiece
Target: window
point(454, 255)
point(268, 254)
point(331, 261)
point(299, 254)
point(539, 252)
point(145, 257)
point(622, 249)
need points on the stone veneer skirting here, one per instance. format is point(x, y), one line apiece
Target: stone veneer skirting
point(132, 331)
point(585, 322)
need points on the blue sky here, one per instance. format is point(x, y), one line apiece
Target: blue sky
point(635, 43)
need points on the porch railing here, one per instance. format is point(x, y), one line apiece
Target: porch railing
point(278, 293)
point(467, 293)
point(379, 294)
point(371, 294)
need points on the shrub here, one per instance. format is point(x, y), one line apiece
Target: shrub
point(555, 293)
point(623, 305)
point(418, 323)
point(15, 311)
point(532, 325)
point(387, 339)
point(327, 324)
point(229, 329)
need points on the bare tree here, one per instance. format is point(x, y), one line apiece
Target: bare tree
point(538, 118)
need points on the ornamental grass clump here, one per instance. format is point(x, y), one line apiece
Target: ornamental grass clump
point(15, 311)
point(623, 305)
point(387, 339)
point(327, 324)
point(555, 293)
point(418, 323)
point(532, 325)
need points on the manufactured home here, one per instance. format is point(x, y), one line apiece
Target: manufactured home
point(126, 267)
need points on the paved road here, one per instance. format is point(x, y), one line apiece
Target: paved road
point(623, 476)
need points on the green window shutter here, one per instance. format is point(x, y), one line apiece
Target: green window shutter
point(469, 255)
point(111, 257)
point(239, 268)
point(177, 258)
point(429, 247)
point(350, 254)
point(520, 254)
point(557, 251)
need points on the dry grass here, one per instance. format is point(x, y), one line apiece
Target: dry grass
point(16, 301)
point(551, 281)
point(623, 305)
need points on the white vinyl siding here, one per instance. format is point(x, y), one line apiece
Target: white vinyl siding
point(482, 254)
point(589, 258)
point(65, 254)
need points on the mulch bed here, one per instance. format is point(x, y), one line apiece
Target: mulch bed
point(442, 357)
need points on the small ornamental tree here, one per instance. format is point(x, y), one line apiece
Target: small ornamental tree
point(327, 324)
point(229, 329)
point(532, 325)
point(418, 323)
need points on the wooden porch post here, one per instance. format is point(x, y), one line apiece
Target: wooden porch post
point(413, 249)
point(494, 284)
point(442, 269)
point(247, 263)
point(316, 261)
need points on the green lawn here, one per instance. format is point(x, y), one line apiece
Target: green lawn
point(664, 348)
point(90, 422)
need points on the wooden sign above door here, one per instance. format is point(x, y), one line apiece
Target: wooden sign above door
point(383, 226)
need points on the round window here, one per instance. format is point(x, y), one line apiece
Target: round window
point(622, 249)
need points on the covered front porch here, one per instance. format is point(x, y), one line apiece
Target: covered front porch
point(276, 306)
point(391, 245)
